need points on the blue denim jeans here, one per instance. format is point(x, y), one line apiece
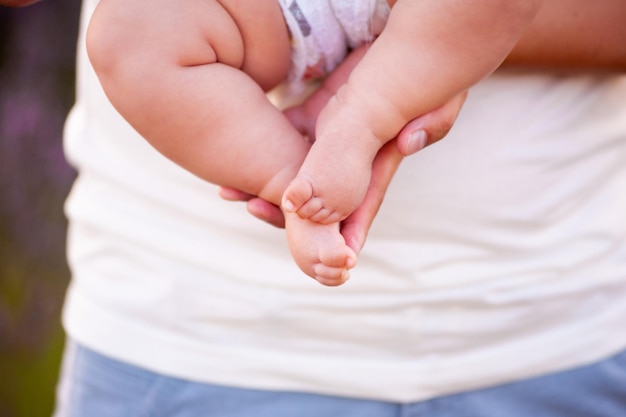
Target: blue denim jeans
point(93, 385)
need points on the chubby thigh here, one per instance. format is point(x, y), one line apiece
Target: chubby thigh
point(161, 35)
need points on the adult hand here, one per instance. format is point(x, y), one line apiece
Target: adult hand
point(417, 134)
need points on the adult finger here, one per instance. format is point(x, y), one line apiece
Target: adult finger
point(266, 211)
point(233, 194)
point(430, 127)
point(355, 228)
point(259, 208)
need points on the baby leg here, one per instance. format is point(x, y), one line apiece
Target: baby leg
point(177, 75)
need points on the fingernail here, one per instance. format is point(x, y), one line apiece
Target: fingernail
point(288, 206)
point(416, 141)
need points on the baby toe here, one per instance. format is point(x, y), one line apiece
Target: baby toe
point(330, 276)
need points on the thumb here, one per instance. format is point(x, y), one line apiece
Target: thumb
point(430, 127)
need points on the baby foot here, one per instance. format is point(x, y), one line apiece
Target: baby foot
point(300, 198)
point(334, 176)
point(319, 250)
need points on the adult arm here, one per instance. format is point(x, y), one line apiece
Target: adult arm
point(574, 34)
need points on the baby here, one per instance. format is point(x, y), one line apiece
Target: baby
point(192, 79)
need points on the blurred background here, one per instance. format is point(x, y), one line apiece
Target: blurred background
point(37, 48)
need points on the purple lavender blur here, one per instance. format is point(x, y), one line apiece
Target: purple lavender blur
point(37, 58)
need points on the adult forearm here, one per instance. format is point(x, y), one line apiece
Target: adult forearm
point(576, 34)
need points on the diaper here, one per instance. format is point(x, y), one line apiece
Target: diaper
point(322, 32)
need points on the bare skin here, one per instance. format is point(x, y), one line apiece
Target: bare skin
point(570, 35)
point(429, 52)
point(215, 63)
point(212, 69)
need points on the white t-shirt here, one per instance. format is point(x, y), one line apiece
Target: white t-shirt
point(499, 254)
